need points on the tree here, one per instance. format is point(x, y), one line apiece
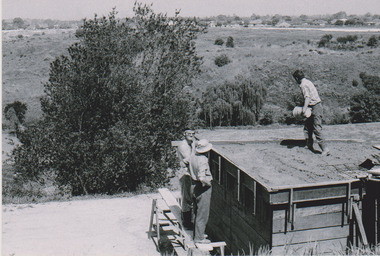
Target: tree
point(18, 22)
point(340, 15)
point(232, 103)
point(114, 104)
point(365, 107)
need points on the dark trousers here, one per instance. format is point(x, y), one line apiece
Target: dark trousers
point(313, 125)
point(202, 199)
point(186, 197)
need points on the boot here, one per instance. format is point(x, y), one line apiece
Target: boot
point(186, 218)
point(325, 150)
point(309, 144)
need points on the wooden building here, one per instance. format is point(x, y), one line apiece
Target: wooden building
point(275, 193)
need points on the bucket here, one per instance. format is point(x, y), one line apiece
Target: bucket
point(297, 111)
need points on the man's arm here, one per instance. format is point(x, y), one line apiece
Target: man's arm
point(204, 173)
point(306, 104)
point(184, 154)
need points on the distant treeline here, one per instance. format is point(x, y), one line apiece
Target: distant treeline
point(337, 19)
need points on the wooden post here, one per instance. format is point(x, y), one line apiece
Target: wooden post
point(220, 168)
point(254, 198)
point(359, 222)
point(151, 218)
point(157, 224)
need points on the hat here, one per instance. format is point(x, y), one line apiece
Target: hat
point(297, 111)
point(203, 146)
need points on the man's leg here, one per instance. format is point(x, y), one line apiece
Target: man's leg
point(186, 200)
point(317, 128)
point(203, 199)
point(308, 132)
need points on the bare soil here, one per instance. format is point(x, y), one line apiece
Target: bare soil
point(114, 226)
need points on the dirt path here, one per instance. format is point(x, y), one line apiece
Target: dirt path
point(115, 226)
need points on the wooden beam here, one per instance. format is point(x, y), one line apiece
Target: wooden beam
point(175, 143)
point(176, 210)
point(359, 222)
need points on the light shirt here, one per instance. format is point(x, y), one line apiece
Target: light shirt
point(309, 91)
point(199, 167)
point(184, 152)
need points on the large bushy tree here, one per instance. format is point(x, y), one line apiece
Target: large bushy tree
point(114, 104)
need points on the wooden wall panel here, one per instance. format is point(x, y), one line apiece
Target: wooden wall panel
point(310, 235)
point(330, 247)
point(310, 217)
point(311, 193)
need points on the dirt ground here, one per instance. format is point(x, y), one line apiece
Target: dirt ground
point(104, 227)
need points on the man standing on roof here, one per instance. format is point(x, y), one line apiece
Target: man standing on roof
point(313, 124)
point(184, 151)
point(201, 175)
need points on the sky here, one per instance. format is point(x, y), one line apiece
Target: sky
point(79, 9)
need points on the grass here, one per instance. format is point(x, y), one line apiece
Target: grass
point(313, 249)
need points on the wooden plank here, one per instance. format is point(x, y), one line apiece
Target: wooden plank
point(245, 220)
point(317, 184)
point(309, 222)
point(360, 224)
point(329, 247)
point(312, 194)
point(376, 146)
point(309, 217)
point(175, 208)
point(310, 235)
point(246, 234)
point(175, 143)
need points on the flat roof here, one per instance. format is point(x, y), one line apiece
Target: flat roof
point(277, 160)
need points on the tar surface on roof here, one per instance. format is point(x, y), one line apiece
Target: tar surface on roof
point(277, 158)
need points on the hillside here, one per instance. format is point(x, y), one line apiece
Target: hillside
point(267, 56)
point(270, 56)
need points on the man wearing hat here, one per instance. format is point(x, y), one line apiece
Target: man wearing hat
point(201, 175)
point(184, 151)
point(313, 123)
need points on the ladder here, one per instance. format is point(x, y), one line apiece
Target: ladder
point(166, 221)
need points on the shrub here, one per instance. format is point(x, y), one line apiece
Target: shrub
point(222, 60)
point(372, 41)
point(345, 39)
point(371, 83)
point(19, 109)
point(114, 104)
point(355, 83)
point(267, 119)
point(219, 41)
point(324, 40)
point(365, 107)
point(230, 42)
